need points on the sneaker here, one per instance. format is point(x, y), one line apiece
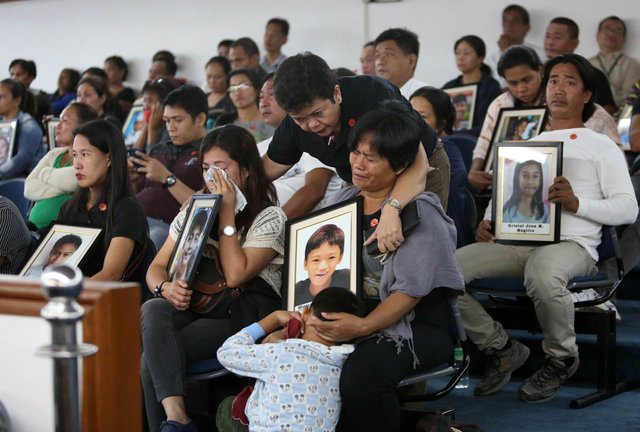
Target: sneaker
point(546, 381)
point(174, 426)
point(500, 366)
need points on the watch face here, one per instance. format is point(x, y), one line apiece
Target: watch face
point(229, 230)
point(170, 181)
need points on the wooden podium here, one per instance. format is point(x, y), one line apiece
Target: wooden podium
point(111, 397)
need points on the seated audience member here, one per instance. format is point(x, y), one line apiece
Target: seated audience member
point(436, 109)
point(470, 51)
point(515, 26)
point(368, 59)
point(28, 137)
point(322, 111)
point(116, 69)
point(94, 91)
point(244, 54)
point(275, 35)
point(250, 247)
point(397, 53)
point(217, 71)
point(53, 180)
point(66, 91)
point(169, 174)
point(316, 401)
point(15, 238)
point(36, 102)
point(621, 70)
point(634, 127)
point(244, 90)
point(521, 68)
point(163, 65)
point(61, 251)
point(224, 46)
point(309, 184)
point(562, 37)
point(593, 190)
point(154, 131)
point(322, 254)
point(407, 328)
point(104, 199)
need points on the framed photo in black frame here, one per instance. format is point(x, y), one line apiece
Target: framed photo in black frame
point(323, 249)
point(523, 172)
point(197, 225)
point(515, 124)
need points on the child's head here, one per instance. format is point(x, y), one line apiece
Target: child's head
point(323, 253)
point(332, 299)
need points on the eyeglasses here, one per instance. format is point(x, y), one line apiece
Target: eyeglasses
point(239, 87)
point(613, 31)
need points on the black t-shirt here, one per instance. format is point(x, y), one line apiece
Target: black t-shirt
point(636, 107)
point(128, 221)
point(360, 94)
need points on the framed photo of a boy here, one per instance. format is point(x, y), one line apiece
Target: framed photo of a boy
point(515, 124)
point(62, 244)
point(134, 125)
point(7, 139)
point(323, 249)
point(196, 227)
point(523, 173)
point(464, 101)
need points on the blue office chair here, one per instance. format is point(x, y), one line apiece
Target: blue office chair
point(13, 189)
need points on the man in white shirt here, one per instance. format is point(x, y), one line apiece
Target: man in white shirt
point(397, 53)
point(594, 190)
point(309, 183)
point(515, 26)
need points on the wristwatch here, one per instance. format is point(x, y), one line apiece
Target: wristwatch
point(170, 181)
point(228, 231)
point(393, 203)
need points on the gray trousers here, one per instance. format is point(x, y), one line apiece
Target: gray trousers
point(546, 270)
point(170, 339)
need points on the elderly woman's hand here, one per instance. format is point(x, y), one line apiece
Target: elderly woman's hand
point(483, 232)
point(341, 326)
point(389, 230)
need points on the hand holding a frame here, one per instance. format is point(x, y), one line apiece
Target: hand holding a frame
point(561, 192)
point(483, 232)
point(178, 294)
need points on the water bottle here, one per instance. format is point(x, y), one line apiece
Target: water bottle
point(458, 360)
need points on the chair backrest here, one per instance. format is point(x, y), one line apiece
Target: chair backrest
point(13, 189)
point(465, 143)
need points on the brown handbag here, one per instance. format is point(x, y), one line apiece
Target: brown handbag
point(210, 294)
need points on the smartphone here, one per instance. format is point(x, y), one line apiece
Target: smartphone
point(132, 153)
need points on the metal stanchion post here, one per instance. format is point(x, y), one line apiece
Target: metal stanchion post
point(62, 285)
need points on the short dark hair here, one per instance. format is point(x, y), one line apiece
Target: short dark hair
point(190, 98)
point(248, 45)
point(29, 66)
point(475, 42)
point(71, 239)
point(334, 299)
point(392, 131)
point(120, 64)
point(615, 18)
point(520, 10)
point(98, 83)
point(225, 43)
point(586, 72)
point(407, 40)
point(74, 77)
point(442, 106)
point(161, 86)
point(518, 55)
point(17, 89)
point(162, 55)
point(223, 62)
point(170, 65)
point(329, 233)
point(369, 44)
point(84, 112)
point(301, 79)
point(283, 23)
point(95, 71)
point(342, 72)
point(574, 30)
point(256, 82)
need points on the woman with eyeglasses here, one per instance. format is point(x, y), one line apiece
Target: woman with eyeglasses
point(244, 90)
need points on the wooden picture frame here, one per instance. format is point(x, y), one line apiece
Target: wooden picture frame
point(464, 101)
point(522, 175)
point(516, 124)
point(197, 225)
point(321, 234)
point(8, 130)
point(62, 244)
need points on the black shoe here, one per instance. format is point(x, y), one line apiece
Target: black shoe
point(546, 381)
point(500, 366)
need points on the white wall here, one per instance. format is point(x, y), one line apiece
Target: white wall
point(81, 33)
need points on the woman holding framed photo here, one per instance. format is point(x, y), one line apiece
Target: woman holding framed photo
point(407, 329)
point(104, 199)
point(53, 180)
point(250, 243)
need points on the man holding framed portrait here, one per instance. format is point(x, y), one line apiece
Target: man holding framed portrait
point(593, 190)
